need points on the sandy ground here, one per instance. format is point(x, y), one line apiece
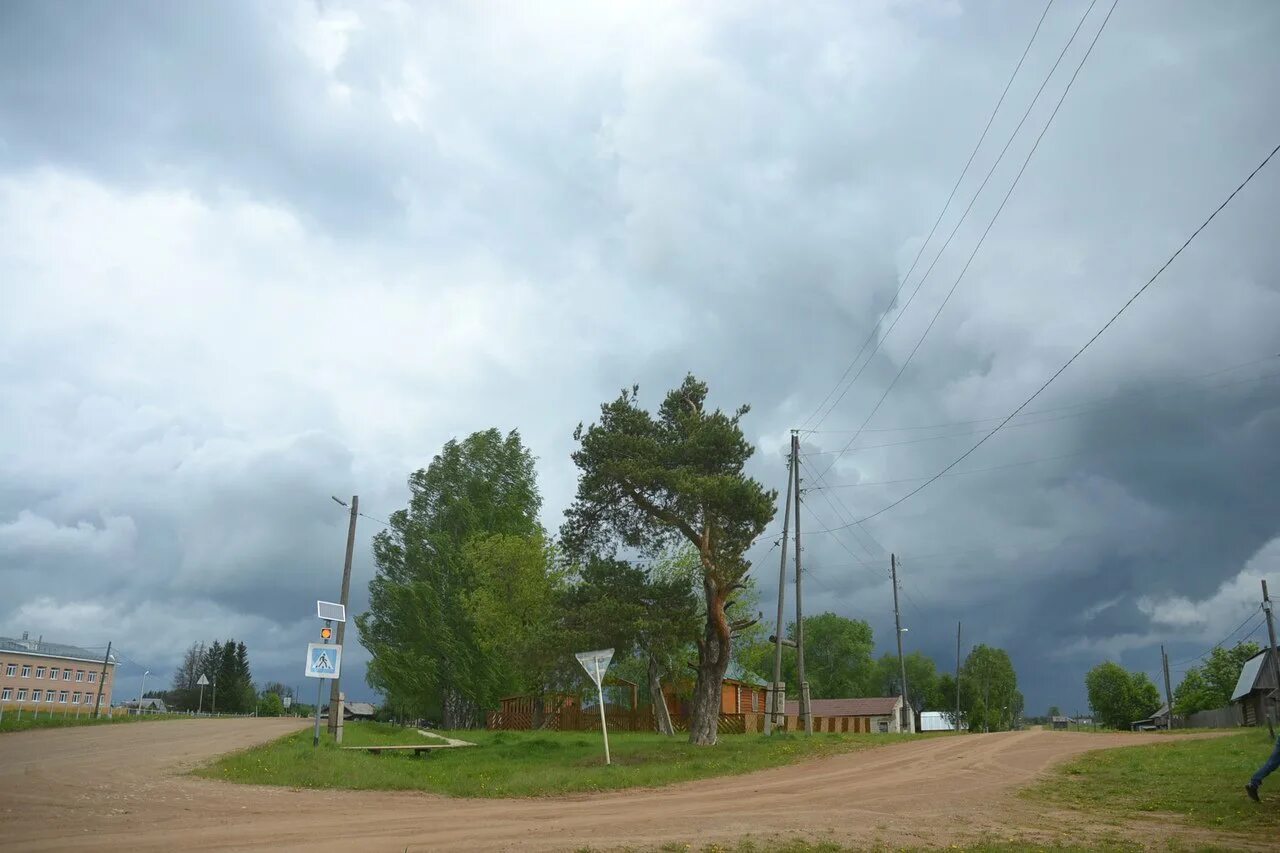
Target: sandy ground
point(120, 788)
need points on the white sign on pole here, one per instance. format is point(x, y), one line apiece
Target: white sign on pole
point(595, 663)
point(203, 682)
point(288, 701)
point(324, 660)
point(331, 610)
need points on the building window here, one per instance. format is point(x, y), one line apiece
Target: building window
point(35, 695)
point(6, 695)
point(93, 677)
point(11, 670)
point(22, 694)
point(62, 697)
point(26, 670)
point(66, 675)
point(79, 675)
point(39, 672)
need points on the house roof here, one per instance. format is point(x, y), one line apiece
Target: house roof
point(363, 709)
point(871, 707)
point(53, 650)
point(736, 672)
point(1250, 674)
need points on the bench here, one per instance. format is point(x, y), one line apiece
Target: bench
point(418, 749)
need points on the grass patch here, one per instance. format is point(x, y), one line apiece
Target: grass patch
point(978, 846)
point(1200, 780)
point(11, 723)
point(520, 764)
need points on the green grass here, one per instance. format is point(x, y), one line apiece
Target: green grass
point(11, 723)
point(520, 764)
point(977, 846)
point(1201, 781)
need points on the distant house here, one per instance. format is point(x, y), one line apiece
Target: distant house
point(1255, 689)
point(1158, 720)
point(358, 711)
point(875, 714)
point(149, 703)
point(354, 711)
point(1059, 723)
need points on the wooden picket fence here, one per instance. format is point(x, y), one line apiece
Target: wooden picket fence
point(618, 720)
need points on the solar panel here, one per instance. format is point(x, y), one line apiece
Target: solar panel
point(331, 611)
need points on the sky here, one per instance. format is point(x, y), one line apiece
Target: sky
point(258, 255)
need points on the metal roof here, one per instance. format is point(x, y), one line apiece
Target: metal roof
point(873, 707)
point(52, 650)
point(736, 672)
point(1248, 676)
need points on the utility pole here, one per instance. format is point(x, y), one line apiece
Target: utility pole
point(335, 700)
point(777, 697)
point(1168, 691)
point(957, 677)
point(1275, 662)
point(804, 685)
point(102, 680)
point(897, 626)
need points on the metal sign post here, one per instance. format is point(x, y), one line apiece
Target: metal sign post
point(324, 661)
point(595, 663)
point(202, 682)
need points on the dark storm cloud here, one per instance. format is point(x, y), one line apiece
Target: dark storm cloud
point(273, 253)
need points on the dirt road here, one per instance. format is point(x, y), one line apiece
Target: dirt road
point(118, 787)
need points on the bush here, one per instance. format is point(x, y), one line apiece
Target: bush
point(270, 705)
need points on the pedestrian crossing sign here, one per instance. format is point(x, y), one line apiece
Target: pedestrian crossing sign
point(324, 660)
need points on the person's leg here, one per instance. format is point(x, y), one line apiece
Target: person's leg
point(1266, 769)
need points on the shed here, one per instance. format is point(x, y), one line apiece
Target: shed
point(1256, 688)
point(938, 721)
point(1060, 723)
point(874, 714)
point(1158, 720)
point(741, 692)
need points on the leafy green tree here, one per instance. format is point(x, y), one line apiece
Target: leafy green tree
point(1222, 669)
point(650, 613)
point(649, 482)
point(1053, 712)
point(270, 705)
point(514, 604)
point(1194, 693)
point(1118, 697)
point(989, 696)
point(419, 629)
point(922, 679)
point(837, 656)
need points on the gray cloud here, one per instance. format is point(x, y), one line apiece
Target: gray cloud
point(264, 255)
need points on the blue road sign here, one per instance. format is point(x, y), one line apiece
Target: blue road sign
point(324, 660)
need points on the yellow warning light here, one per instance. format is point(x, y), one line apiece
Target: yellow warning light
point(326, 633)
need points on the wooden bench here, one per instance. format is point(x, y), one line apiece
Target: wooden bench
point(418, 749)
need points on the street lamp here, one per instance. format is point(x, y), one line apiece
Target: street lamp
point(142, 690)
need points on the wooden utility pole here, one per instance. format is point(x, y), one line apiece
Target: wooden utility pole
point(897, 629)
point(1275, 661)
point(778, 708)
point(804, 685)
point(335, 694)
point(102, 680)
point(1168, 691)
point(957, 676)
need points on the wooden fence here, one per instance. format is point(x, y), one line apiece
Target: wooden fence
point(578, 720)
point(1218, 718)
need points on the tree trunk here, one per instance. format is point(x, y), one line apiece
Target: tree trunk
point(713, 660)
point(660, 713)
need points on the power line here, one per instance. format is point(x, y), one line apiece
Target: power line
point(1087, 343)
point(1253, 614)
point(1097, 403)
point(982, 239)
point(932, 230)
